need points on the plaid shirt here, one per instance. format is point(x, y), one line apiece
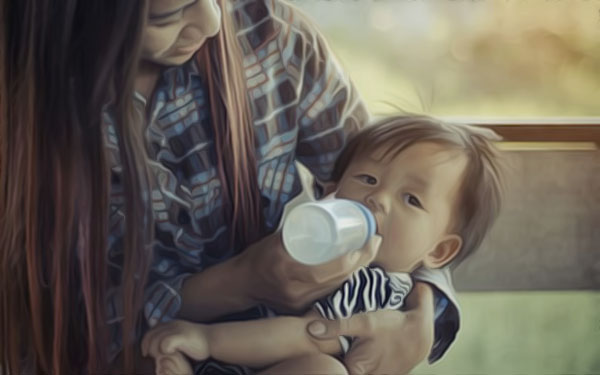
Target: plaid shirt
point(304, 108)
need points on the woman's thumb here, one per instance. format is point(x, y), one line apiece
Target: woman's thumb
point(323, 329)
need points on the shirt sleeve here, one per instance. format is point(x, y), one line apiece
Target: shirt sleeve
point(329, 109)
point(447, 312)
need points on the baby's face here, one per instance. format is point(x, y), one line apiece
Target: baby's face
point(412, 197)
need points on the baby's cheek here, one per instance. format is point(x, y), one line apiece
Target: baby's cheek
point(391, 258)
point(389, 252)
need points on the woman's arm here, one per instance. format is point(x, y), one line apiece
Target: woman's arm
point(217, 291)
point(254, 343)
point(265, 274)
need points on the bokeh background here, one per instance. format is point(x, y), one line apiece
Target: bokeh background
point(530, 298)
point(468, 57)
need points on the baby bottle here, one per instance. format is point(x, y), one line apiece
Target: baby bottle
point(316, 232)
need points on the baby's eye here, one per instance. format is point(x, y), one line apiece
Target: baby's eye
point(367, 179)
point(412, 200)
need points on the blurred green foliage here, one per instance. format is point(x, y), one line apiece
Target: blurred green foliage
point(525, 58)
point(524, 333)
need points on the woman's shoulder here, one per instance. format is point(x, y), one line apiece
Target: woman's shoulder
point(273, 24)
point(254, 13)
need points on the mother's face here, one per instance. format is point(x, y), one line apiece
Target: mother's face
point(176, 29)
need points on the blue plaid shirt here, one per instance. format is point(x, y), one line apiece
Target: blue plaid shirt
point(304, 108)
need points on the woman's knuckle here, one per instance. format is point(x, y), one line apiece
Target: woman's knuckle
point(299, 302)
point(286, 299)
point(314, 278)
point(288, 291)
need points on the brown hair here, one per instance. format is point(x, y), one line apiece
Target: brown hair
point(482, 186)
point(221, 61)
point(54, 180)
point(59, 62)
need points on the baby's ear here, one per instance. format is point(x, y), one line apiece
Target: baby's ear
point(443, 253)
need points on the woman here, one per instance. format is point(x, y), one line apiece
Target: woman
point(198, 57)
point(216, 184)
point(59, 63)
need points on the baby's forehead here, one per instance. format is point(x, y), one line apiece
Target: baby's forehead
point(390, 151)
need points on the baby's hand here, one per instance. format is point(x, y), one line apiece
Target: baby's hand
point(177, 336)
point(173, 364)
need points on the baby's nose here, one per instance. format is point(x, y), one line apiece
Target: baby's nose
point(378, 202)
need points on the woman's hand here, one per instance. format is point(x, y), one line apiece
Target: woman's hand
point(386, 341)
point(280, 282)
point(265, 273)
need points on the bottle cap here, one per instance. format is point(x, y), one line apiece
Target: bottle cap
point(371, 223)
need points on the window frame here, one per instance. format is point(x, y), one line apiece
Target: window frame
point(540, 130)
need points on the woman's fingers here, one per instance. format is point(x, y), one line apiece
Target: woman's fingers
point(385, 341)
point(286, 285)
point(340, 268)
point(370, 250)
point(360, 360)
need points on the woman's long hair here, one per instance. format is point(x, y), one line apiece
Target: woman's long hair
point(221, 61)
point(60, 62)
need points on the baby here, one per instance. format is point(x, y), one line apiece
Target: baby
point(434, 189)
